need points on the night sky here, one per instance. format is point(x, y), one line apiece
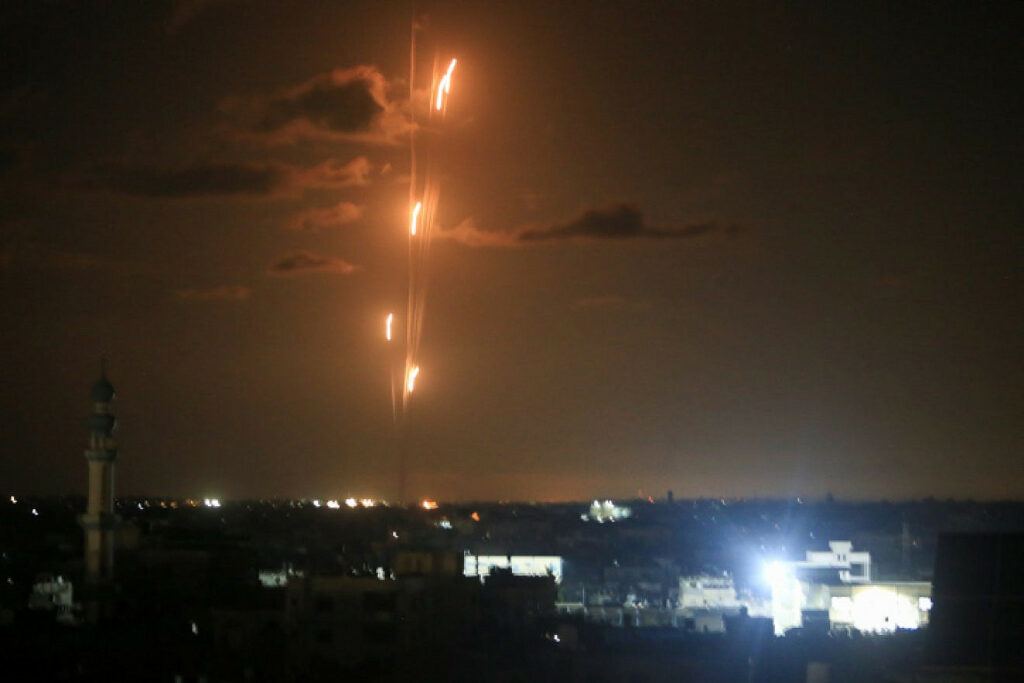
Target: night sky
point(754, 249)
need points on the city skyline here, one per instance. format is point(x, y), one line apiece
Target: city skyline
point(719, 249)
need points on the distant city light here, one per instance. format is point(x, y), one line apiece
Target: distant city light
point(333, 504)
point(14, 500)
point(445, 524)
point(351, 502)
point(316, 502)
point(208, 502)
point(429, 504)
point(475, 517)
point(35, 513)
point(367, 502)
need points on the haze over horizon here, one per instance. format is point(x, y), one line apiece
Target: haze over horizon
point(722, 249)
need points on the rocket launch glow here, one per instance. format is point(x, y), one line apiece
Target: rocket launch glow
point(415, 217)
point(444, 86)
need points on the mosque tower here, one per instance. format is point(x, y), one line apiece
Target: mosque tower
point(99, 521)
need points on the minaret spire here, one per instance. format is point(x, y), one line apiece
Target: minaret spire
point(99, 521)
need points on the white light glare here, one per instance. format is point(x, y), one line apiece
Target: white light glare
point(775, 573)
point(351, 502)
point(333, 504)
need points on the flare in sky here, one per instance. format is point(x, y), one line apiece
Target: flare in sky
point(415, 217)
point(387, 326)
point(411, 385)
point(445, 86)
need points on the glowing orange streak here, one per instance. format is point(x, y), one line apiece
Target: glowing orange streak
point(387, 328)
point(445, 86)
point(415, 217)
point(411, 384)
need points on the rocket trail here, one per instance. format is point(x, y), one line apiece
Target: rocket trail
point(445, 86)
point(415, 217)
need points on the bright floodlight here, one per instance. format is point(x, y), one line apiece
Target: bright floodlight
point(775, 573)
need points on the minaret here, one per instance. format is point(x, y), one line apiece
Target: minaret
point(99, 520)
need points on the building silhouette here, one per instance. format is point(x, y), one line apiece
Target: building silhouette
point(99, 522)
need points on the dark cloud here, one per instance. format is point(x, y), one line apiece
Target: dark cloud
point(303, 262)
point(346, 107)
point(330, 217)
point(616, 222)
point(601, 301)
point(185, 11)
point(36, 256)
point(9, 158)
point(220, 293)
point(204, 180)
point(347, 103)
point(225, 179)
point(335, 174)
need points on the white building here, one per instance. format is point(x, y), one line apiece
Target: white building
point(837, 583)
point(53, 593)
point(853, 567)
point(708, 592)
point(521, 565)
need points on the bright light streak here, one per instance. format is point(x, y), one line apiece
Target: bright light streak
point(445, 86)
point(415, 217)
point(411, 384)
point(387, 326)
